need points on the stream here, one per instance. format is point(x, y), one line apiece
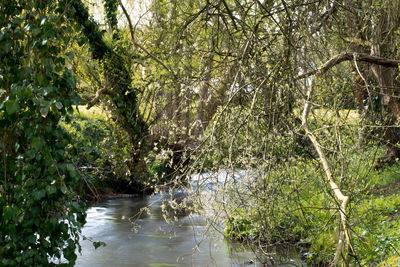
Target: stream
point(135, 238)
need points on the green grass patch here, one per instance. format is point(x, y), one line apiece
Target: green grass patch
point(94, 113)
point(293, 204)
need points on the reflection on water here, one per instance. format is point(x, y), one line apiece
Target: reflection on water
point(145, 239)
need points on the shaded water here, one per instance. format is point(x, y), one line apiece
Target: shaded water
point(147, 240)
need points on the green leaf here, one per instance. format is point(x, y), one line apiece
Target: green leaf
point(51, 189)
point(48, 90)
point(70, 167)
point(36, 31)
point(39, 194)
point(44, 111)
point(64, 189)
point(32, 239)
point(37, 143)
point(59, 105)
point(98, 244)
point(52, 169)
point(18, 21)
point(7, 47)
point(40, 78)
point(11, 107)
point(71, 82)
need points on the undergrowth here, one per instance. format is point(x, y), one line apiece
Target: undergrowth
point(292, 205)
point(105, 155)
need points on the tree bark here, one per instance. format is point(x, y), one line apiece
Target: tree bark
point(381, 61)
point(386, 23)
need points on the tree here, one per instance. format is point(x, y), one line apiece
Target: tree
point(118, 82)
point(267, 44)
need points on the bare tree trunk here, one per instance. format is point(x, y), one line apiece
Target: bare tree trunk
point(388, 22)
point(360, 85)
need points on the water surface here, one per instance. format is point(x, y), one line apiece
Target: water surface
point(136, 238)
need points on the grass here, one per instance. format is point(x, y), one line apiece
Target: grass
point(374, 209)
point(374, 219)
point(94, 113)
point(348, 116)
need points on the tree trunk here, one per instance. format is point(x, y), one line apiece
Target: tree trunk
point(387, 23)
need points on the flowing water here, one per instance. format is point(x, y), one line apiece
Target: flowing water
point(137, 238)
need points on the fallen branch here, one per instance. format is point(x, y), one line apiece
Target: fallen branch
point(386, 62)
point(343, 200)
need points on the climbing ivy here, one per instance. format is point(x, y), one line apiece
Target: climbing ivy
point(123, 98)
point(111, 9)
point(41, 216)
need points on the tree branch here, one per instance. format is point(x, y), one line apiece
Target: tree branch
point(386, 62)
point(230, 14)
point(99, 93)
point(324, 17)
point(343, 199)
point(194, 17)
point(137, 44)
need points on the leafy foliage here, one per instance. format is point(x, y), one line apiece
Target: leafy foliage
point(41, 216)
point(204, 84)
point(99, 145)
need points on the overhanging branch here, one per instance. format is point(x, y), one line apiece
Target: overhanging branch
point(386, 62)
point(343, 199)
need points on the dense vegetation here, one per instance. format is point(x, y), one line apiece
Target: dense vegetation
point(41, 215)
point(298, 98)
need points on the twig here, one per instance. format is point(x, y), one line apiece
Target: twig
point(93, 190)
